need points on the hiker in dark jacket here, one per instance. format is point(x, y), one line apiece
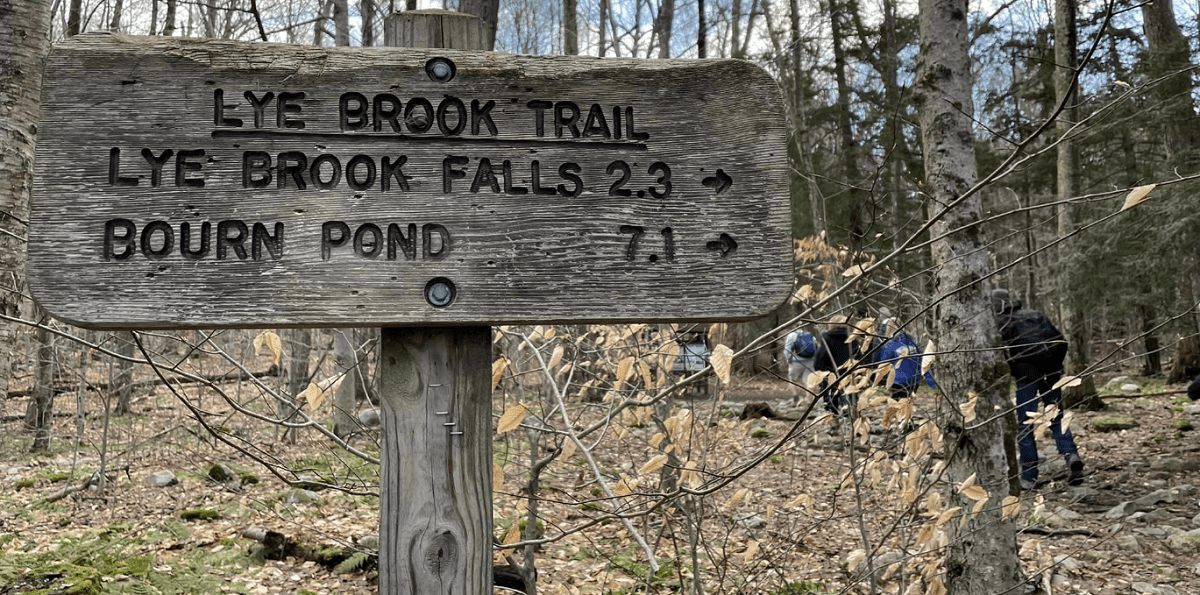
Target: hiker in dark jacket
point(834, 349)
point(1035, 355)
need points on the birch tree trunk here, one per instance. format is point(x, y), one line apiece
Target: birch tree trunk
point(982, 556)
point(24, 41)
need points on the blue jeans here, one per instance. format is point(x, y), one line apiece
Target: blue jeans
point(1030, 385)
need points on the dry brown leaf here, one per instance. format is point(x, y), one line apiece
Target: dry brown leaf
point(273, 343)
point(735, 498)
point(1137, 196)
point(512, 418)
point(968, 409)
point(1010, 506)
point(751, 553)
point(555, 357)
point(722, 361)
point(1067, 382)
point(644, 368)
point(855, 559)
point(568, 449)
point(802, 500)
point(497, 478)
point(927, 358)
point(653, 465)
point(513, 535)
point(624, 369)
point(976, 493)
point(657, 439)
point(498, 371)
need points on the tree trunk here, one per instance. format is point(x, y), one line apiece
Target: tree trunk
point(39, 416)
point(981, 558)
point(115, 23)
point(153, 17)
point(799, 102)
point(168, 26)
point(849, 153)
point(368, 10)
point(300, 341)
point(341, 23)
point(489, 11)
point(603, 45)
point(1065, 36)
point(662, 27)
point(701, 31)
point(24, 42)
point(319, 24)
point(74, 18)
point(122, 385)
point(570, 28)
point(345, 362)
point(1169, 56)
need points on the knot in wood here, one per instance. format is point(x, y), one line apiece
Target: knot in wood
point(441, 554)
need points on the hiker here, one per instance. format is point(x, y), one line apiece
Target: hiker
point(834, 349)
point(1035, 355)
point(1193, 389)
point(903, 352)
point(799, 348)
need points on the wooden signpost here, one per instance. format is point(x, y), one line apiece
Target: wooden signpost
point(198, 183)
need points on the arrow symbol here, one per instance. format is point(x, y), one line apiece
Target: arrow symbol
point(720, 182)
point(725, 244)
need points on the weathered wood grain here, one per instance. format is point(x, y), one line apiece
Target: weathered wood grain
point(435, 480)
point(514, 257)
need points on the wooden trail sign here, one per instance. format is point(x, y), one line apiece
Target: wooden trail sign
point(202, 183)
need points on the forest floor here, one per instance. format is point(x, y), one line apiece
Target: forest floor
point(130, 537)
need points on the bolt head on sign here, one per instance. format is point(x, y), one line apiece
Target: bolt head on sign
point(201, 183)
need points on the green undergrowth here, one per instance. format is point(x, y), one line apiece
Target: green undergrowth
point(110, 561)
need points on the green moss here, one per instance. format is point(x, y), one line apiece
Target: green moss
point(199, 514)
point(57, 477)
point(248, 478)
point(761, 433)
point(22, 484)
point(590, 506)
point(801, 588)
point(1184, 425)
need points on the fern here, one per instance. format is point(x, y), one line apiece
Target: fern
point(352, 563)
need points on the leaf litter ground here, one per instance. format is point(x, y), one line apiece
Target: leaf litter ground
point(755, 539)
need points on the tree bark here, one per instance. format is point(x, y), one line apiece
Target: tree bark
point(489, 11)
point(1065, 52)
point(570, 28)
point(368, 10)
point(701, 31)
point(662, 27)
point(300, 342)
point(1169, 56)
point(319, 24)
point(341, 23)
point(345, 362)
point(123, 383)
point(24, 41)
point(849, 152)
point(74, 18)
point(115, 23)
point(981, 558)
point(39, 415)
point(603, 45)
point(169, 26)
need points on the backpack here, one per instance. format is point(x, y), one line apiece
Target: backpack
point(802, 345)
point(1032, 339)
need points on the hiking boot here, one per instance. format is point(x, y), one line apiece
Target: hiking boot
point(1028, 485)
point(1075, 468)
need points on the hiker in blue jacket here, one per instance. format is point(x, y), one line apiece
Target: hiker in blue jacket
point(799, 348)
point(903, 352)
point(1035, 355)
